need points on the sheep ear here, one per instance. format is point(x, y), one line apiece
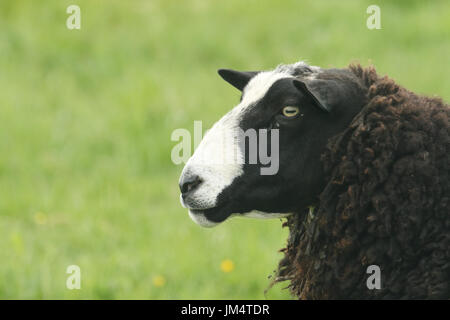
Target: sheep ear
point(325, 93)
point(237, 79)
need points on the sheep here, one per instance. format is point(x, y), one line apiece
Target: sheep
point(385, 203)
point(363, 179)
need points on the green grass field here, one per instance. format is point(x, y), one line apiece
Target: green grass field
point(86, 116)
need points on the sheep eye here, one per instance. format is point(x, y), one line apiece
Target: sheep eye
point(290, 111)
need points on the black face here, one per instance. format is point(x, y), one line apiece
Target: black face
point(307, 111)
point(299, 173)
point(302, 139)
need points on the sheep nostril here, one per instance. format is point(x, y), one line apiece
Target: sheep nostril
point(189, 184)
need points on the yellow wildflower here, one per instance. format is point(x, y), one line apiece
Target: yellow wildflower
point(227, 265)
point(159, 281)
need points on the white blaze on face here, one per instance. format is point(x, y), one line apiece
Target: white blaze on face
point(218, 159)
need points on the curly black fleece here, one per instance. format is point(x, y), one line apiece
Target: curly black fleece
point(386, 203)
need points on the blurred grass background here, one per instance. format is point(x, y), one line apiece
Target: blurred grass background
point(86, 117)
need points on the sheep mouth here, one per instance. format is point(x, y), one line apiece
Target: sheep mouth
point(214, 215)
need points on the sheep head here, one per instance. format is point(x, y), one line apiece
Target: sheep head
point(262, 159)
